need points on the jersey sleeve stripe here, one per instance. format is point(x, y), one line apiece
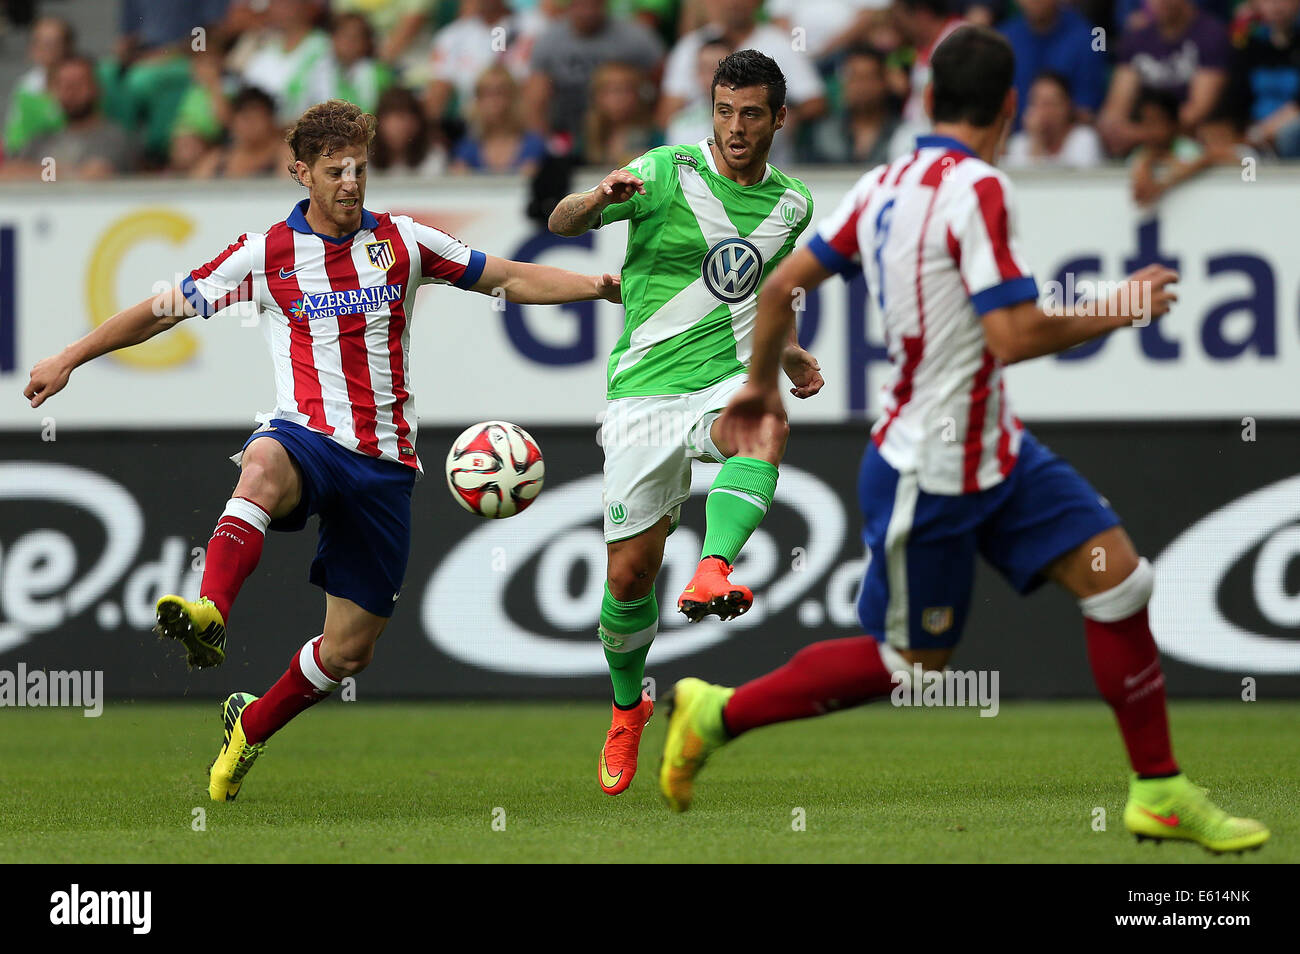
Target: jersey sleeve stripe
point(830, 259)
point(473, 271)
point(1010, 292)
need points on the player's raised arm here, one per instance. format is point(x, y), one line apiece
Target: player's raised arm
point(581, 212)
point(530, 284)
point(1024, 330)
point(128, 327)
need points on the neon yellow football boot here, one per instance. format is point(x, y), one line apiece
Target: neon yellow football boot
point(237, 755)
point(695, 731)
point(198, 625)
point(1175, 809)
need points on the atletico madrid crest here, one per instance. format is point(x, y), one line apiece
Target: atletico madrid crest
point(381, 254)
point(936, 619)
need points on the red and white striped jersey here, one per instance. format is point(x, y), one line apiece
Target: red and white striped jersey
point(934, 233)
point(336, 313)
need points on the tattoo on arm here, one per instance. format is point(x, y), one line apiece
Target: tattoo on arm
point(573, 216)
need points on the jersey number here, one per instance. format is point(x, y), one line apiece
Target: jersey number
point(883, 220)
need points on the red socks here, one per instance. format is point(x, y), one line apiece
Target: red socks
point(233, 552)
point(305, 683)
point(1126, 667)
point(823, 677)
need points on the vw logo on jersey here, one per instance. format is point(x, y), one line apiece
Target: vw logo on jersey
point(732, 270)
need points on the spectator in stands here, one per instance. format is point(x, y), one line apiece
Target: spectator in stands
point(1183, 51)
point(151, 30)
point(497, 139)
point(404, 140)
point(693, 123)
point(484, 34)
point(1052, 134)
point(1266, 78)
point(737, 22)
point(257, 146)
point(566, 54)
point(620, 124)
point(830, 26)
point(295, 63)
point(189, 150)
point(352, 72)
point(89, 146)
point(33, 110)
point(1222, 135)
point(1049, 34)
point(152, 72)
point(396, 23)
point(860, 133)
point(926, 24)
point(1164, 157)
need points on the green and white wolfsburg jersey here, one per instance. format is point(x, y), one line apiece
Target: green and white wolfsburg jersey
point(698, 247)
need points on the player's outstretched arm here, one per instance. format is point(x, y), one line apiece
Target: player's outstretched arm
point(1024, 330)
point(128, 327)
point(580, 213)
point(774, 331)
point(530, 284)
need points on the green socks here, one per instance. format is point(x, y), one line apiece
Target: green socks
point(627, 630)
point(738, 501)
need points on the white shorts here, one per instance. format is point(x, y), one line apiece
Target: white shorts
point(649, 444)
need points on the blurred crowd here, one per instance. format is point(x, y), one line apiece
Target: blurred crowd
point(204, 88)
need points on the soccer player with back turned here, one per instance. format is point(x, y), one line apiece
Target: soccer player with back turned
point(335, 285)
point(933, 232)
point(706, 224)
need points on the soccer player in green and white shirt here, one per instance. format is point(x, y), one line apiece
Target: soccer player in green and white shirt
point(706, 224)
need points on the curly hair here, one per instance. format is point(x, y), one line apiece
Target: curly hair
point(326, 127)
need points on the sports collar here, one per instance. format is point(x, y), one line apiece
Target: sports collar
point(297, 221)
point(945, 142)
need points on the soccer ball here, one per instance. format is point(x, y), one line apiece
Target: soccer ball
point(495, 469)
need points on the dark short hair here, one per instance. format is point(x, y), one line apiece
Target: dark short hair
point(1057, 79)
point(971, 72)
point(940, 8)
point(1162, 99)
point(252, 96)
point(863, 52)
point(745, 68)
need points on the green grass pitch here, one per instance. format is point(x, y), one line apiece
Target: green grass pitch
point(374, 782)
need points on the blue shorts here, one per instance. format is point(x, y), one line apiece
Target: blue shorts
point(921, 547)
point(364, 505)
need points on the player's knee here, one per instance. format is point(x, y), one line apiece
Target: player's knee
point(353, 656)
point(630, 580)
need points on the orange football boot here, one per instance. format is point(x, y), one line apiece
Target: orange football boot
point(618, 757)
point(711, 593)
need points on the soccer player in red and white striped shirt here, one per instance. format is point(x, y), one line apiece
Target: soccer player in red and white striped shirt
point(335, 285)
point(950, 471)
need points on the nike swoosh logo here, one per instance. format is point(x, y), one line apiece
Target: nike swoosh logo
point(284, 274)
point(1131, 681)
point(1170, 820)
point(689, 589)
point(609, 781)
